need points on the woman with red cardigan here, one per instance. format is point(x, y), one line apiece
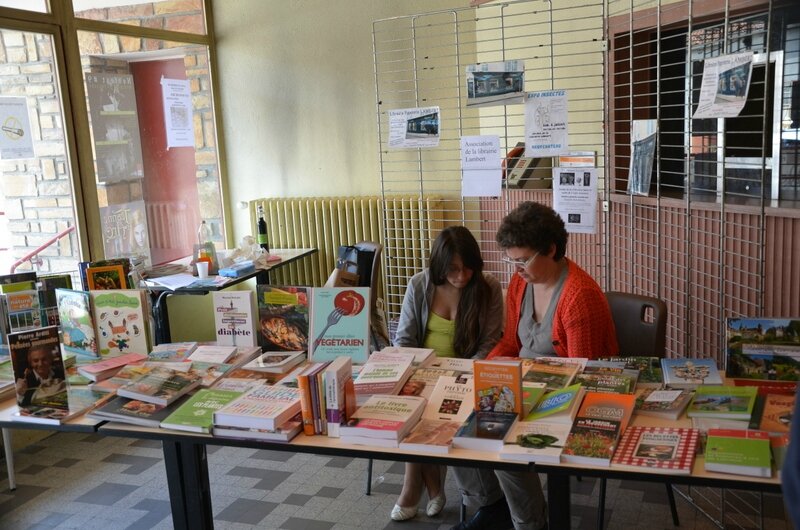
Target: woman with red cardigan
point(553, 308)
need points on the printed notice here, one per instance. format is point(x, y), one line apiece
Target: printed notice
point(546, 131)
point(177, 112)
point(15, 129)
point(412, 128)
point(499, 83)
point(726, 82)
point(575, 198)
point(481, 169)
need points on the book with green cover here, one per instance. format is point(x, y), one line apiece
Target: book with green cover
point(727, 402)
point(197, 413)
point(742, 452)
point(650, 373)
point(558, 406)
point(606, 382)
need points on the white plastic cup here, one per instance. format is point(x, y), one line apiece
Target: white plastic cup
point(202, 269)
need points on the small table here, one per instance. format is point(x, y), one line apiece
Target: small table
point(159, 295)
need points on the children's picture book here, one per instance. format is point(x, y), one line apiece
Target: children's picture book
point(689, 373)
point(340, 323)
point(742, 452)
point(484, 431)
point(449, 405)
point(668, 450)
point(498, 386)
point(76, 324)
point(283, 313)
point(38, 365)
point(121, 323)
point(727, 402)
point(196, 414)
point(668, 404)
point(235, 317)
point(553, 372)
point(535, 441)
point(763, 348)
point(106, 278)
point(262, 407)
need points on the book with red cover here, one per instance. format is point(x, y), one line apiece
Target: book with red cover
point(788, 388)
point(498, 386)
point(666, 450)
point(109, 366)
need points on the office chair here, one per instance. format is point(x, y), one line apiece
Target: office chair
point(641, 326)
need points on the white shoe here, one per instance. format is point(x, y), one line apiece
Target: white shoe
point(436, 504)
point(401, 513)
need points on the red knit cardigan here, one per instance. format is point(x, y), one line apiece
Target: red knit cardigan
point(582, 324)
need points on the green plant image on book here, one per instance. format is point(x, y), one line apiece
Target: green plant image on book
point(537, 441)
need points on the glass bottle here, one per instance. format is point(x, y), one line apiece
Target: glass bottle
point(263, 242)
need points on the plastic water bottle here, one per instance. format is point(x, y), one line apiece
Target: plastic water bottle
point(203, 233)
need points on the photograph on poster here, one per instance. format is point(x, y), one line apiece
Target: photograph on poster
point(416, 127)
point(643, 148)
point(500, 83)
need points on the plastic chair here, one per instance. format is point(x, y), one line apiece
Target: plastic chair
point(641, 326)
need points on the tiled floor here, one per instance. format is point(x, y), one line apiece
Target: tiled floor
point(96, 482)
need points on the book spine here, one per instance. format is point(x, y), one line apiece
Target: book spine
point(323, 421)
point(305, 404)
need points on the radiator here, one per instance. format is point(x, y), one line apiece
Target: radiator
point(404, 225)
point(168, 225)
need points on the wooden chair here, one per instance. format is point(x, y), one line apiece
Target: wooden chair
point(641, 326)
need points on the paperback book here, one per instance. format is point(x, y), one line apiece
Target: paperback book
point(558, 406)
point(484, 431)
point(423, 380)
point(337, 379)
point(340, 323)
point(421, 356)
point(774, 415)
point(196, 414)
point(465, 366)
point(59, 408)
point(262, 407)
point(122, 377)
point(76, 324)
point(38, 365)
point(616, 383)
point(284, 433)
point(668, 404)
point(161, 386)
point(763, 349)
point(23, 310)
point(498, 386)
point(381, 377)
point(689, 373)
point(535, 441)
point(207, 353)
point(276, 362)
point(742, 452)
point(172, 351)
point(450, 404)
point(106, 368)
point(727, 402)
point(134, 411)
point(106, 278)
point(658, 449)
point(591, 441)
point(554, 373)
point(283, 317)
point(650, 373)
point(383, 417)
point(235, 317)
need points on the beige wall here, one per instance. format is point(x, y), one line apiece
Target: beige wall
point(298, 98)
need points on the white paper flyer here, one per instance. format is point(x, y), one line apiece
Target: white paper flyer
point(177, 112)
point(546, 124)
point(481, 168)
point(575, 198)
point(16, 140)
point(726, 82)
point(412, 128)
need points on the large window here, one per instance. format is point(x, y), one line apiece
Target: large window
point(656, 74)
point(144, 165)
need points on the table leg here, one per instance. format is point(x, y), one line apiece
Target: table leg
point(558, 500)
point(9, 451)
point(189, 488)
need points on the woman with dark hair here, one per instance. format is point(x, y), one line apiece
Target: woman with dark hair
point(553, 308)
point(455, 309)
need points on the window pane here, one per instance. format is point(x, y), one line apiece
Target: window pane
point(186, 15)
point(28, 5)
point(36, 202)
point(154, 141)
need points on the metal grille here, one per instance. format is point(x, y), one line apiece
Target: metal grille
point(717, 234)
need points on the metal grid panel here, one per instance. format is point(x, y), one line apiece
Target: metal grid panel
point(421, 60)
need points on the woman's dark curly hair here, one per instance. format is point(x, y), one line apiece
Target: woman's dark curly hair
point(459, 241)
point(535, 226)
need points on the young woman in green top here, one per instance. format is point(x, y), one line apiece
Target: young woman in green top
point(456, 310)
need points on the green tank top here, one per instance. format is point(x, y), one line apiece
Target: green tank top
point(439, 335)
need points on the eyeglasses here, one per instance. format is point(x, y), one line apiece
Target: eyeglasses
point(520, 263)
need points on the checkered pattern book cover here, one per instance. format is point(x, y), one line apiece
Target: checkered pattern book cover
point(661, 449)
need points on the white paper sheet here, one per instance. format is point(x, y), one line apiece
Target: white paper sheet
point(412, 128)
point(481, 166)
point(725, 85)
point(15, 129)
point(177, 112)
point(575, 198)
point(546, 124)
